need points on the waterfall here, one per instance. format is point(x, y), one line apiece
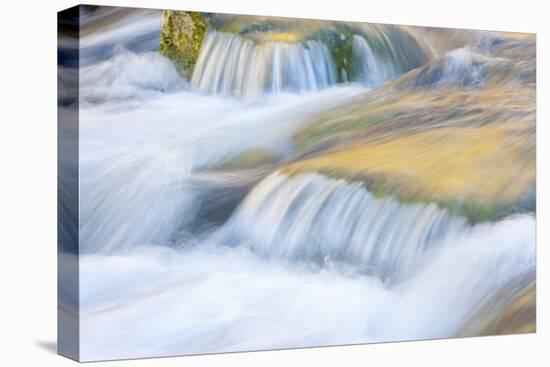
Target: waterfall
point(231, 65)
point(368, 67)
point(313, 218)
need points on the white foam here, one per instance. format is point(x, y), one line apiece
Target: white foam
point(128, 75)
point(312, 218)
point(156, 301)
point(136, 158)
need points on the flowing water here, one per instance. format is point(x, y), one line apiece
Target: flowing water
point(369, 68)
point(229, 64)
point(300, 261)
point(312, 218)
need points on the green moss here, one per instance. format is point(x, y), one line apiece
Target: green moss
point(390, 44)
point(250, 159)
point(334, 174)
point(339, 40)
point(318, 132)
point(474, 212)
point(230, 27)
point(181, 38)
point(477, 212)
point(380, 187)
point(244, 27)
point(255, 27)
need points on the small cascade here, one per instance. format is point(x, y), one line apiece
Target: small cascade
point(231, 65)
point(368, 67)
point(462, 67)
point(313, 218)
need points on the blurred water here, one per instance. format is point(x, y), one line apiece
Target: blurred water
point(229, 64)
point(369, 68)
point(303, 261)
point(155, 301)
point(137, 165)
point(312, 218)
point(106, 29)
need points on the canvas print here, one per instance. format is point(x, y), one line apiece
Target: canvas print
point(239, 183)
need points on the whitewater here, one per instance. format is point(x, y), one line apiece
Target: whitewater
point(300, 261)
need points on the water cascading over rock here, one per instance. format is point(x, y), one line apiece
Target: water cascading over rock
point(368, 67)
point(313, 218)
point(463, 67)
point(227, 60)
point(230, 64)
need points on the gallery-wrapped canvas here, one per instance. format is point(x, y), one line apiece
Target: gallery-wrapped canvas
point(236, 183)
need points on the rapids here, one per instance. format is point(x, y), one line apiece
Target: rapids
point(312, 218)
point(300, 261)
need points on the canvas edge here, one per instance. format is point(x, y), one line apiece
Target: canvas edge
point(68, 328)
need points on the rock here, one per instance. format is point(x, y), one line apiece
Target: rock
point(462, 67)
point(457, 130)
point(510, 309)
point(181, 38)
point(222, 191)
point(249, 159)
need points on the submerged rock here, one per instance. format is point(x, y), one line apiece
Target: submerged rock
point(252, 158)
point(371, 54)
point(181, 38)
point(461, 67)
point(508, 310)
point(222, 191)
point(459, 130)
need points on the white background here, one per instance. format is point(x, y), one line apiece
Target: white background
point(28, 182)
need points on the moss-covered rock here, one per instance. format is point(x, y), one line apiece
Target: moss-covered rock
point(392, 46)
point(472, 151)
point(339, 40)
point(181, 38)
point(330, 129)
